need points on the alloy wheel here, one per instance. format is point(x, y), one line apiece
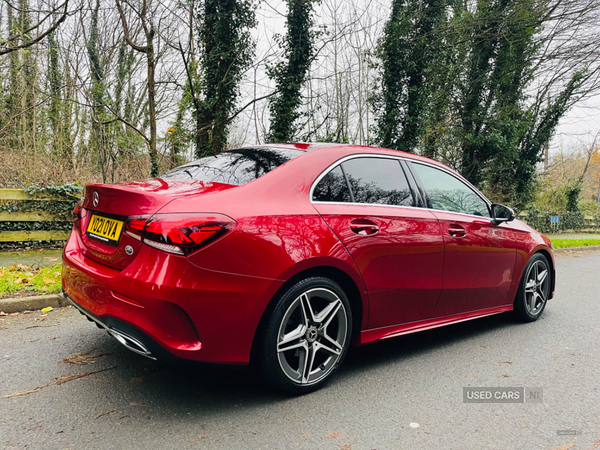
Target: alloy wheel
point(312, 335)
point(537, 287)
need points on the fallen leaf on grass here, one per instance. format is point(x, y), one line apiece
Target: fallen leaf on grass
point(334, 435)
point(83, 358)
point(202, 436)
point(48, 280)
point(52, 259)
point(57, 381)
point(1, 272)
point(104, 414)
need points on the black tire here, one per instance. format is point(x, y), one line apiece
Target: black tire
point(307, 336)
point(531, 299)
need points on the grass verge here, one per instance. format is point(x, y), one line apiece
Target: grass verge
point(563, 243)
point(23, 279)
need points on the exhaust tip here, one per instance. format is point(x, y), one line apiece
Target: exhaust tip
point(130, 343)
point(124, 339)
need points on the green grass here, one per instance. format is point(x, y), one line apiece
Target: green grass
point(562, 242)
point(22, 278)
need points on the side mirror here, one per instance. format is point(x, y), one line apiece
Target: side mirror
point(501, 213)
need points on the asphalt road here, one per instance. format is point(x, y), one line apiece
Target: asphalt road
point(380, 391)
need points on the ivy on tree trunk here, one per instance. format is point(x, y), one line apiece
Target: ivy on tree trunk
point(290, 74)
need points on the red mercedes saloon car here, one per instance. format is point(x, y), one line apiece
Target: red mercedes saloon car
point(286, 255)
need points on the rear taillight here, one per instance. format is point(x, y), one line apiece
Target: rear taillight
point(179, 233)
point(79, 212)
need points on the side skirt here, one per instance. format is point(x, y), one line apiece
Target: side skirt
point(378, 334)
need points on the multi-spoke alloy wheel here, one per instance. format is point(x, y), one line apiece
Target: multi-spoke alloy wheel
point(312, 335)
point(534, 290)
point(308, 335)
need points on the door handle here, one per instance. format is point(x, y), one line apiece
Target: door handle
point(364, 227)
point(456, 230)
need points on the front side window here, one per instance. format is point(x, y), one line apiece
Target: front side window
point(448, 193)
point(235, 166)
point(378, 180)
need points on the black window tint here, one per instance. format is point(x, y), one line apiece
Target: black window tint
point(378, 180)
point(332, 188)
point(235, 166)
point(448, 193)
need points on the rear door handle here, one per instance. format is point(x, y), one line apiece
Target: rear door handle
point(456, 230)
point(364, 227)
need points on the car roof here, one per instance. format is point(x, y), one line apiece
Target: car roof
point(352, 148)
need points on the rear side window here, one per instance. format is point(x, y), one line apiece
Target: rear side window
point(235, 167)
point(448, 193)
point(378, 180)
point(332, 188)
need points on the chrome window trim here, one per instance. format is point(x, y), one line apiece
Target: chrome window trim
point(398, 158)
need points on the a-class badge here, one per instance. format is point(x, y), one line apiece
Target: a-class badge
point(95, 199)
point(129, 250)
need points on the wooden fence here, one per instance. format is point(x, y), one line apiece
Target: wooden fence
point(29, 216)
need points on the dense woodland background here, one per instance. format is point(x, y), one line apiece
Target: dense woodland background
point(109, 90)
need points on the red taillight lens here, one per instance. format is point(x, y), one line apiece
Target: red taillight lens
point(79, 212)
point(180, 233)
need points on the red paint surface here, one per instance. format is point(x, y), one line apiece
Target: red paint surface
point(410, 275)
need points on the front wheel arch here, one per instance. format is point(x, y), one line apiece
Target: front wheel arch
point(550, 260)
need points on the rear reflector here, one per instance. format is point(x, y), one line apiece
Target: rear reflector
point(180, 234)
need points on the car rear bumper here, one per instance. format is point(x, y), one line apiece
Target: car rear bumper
point(127, 335)
point(163, 304)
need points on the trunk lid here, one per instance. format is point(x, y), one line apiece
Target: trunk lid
point(108, 207)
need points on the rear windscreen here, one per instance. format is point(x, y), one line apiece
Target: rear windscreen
point(234, 166)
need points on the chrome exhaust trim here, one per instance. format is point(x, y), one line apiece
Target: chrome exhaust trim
point(125, 340)
point(131, 343)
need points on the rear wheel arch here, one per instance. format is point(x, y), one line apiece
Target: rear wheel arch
point(345, 281)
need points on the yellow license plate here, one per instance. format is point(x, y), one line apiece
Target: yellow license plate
point(105, 229)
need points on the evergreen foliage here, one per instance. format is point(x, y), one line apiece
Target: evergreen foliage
point(290, 73)
point(228, 50)
point(454, 83)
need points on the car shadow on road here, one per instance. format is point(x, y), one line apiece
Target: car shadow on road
point(198, 389)
point(395, 350)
